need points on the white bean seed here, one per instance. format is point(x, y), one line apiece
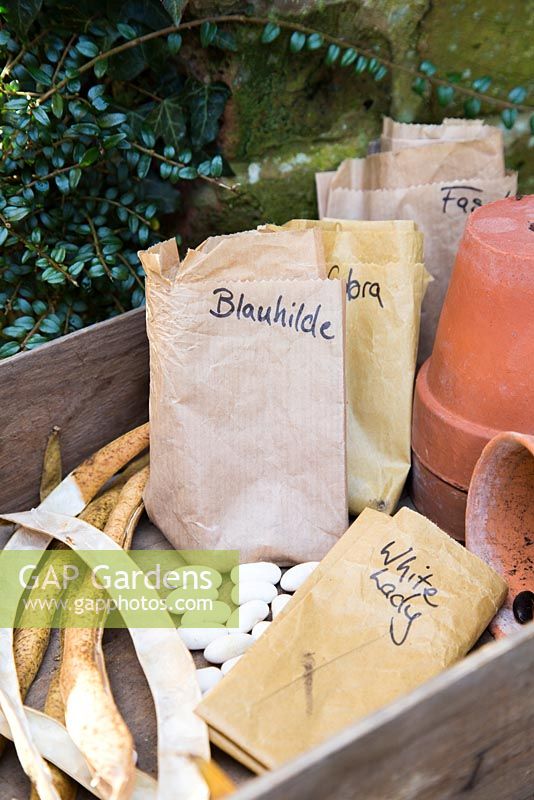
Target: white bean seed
point(246, 616)
point(208, 677)
point(199, 638)
point(259, 628)
point(258, 571)
point(227, 666)
point(245, 591)
point(279, 602)
point(295, 577)
point(227, 647)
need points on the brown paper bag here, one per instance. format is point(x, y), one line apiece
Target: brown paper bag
point(394, 603)
point(440, 211)
point(443, 161)
point(247, 400)
point(386, 281)
point(397, 135)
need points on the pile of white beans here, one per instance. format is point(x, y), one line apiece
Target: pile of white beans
point(232, 634)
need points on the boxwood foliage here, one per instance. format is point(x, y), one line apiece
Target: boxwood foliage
point(93, 151)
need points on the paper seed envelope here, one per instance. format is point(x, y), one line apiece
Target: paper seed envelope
point(247, 397)
point(393, 603)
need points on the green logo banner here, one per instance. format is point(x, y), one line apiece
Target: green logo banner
point(63, 588)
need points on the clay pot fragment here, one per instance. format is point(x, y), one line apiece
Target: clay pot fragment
point(499, 525)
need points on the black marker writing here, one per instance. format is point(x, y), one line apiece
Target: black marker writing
point(399, 572)
point(355, 289)
point(458, 197)
point(295, 316)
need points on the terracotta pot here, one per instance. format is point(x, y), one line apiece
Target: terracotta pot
point(439, 501)
point(499, 524)
point(479, 380)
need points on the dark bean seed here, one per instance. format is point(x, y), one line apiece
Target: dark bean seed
point(524, 607)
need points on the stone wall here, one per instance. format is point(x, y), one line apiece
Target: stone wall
point(290, 115)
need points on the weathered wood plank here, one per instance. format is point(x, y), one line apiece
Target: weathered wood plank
point(92, 383)
point(466, 733)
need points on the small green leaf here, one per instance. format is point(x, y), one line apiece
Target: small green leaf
point(96, 271)
point(89, 157)
point(110, 120)
point(482, 84)
point(25, 322)
point(361, 64)
point(62, 183)
point(349, 57)
point(531, 122)
point(39, 307)
point(57, 105)
point(174, 42)
point(380, 73)
point(49, 325)
point(87, 48)
point(76, 268)
point(517, 95)
point(126, 30)
point(175, 9)
point(419, 85)
point(216, 166)
point(208, 31)
point(14, 213)
point(112, 141)
point(84, 129)
point(74, 177)
point(96, 91)
point(4, 233)
point(373, 65)
point(509, 116)
point(9, 349)
point(41, 116)
point(165, 170)
point(427, 68)
point(12, 332)
point(472, 107)
point(100, 68)
point(39, 75)
point(143, 166)
point(332, 54)
point(53, 276)
point(58, 253)
point(445, 95)
point(270, 33)
point(187, 173)
point(148, 137)
point(314, 41)
point(297, 41)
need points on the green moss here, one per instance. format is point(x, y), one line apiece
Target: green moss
point(273, 189)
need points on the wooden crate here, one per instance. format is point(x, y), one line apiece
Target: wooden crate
point(465, 734)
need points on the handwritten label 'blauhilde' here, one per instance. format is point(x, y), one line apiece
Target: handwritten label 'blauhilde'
point(297, 316)
point(356, 289)
point(405, 588)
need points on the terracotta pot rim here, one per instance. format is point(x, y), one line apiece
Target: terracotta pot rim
point(437, 420)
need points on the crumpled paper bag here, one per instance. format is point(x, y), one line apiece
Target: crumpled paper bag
point(397, 135)
point(394, 603)
point(443, 161)
point(435, 175)
point(247, 417)
point(381, 263)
